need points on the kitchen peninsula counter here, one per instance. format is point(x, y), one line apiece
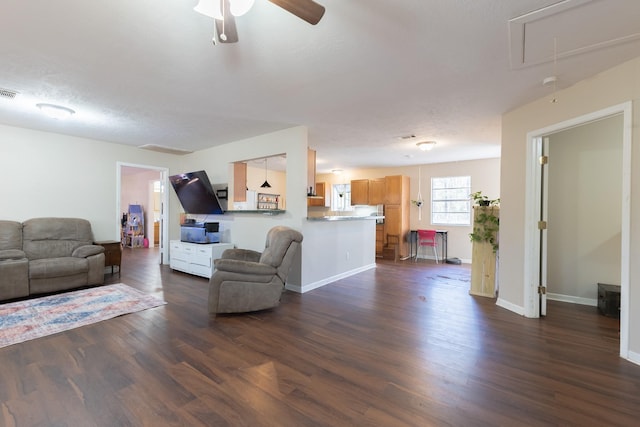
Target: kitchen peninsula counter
point(344, 217)
point(334, 247)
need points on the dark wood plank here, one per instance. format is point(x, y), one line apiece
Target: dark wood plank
point(403, 345)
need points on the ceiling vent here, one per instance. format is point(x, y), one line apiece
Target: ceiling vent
point(6, 93)
point(163, 149)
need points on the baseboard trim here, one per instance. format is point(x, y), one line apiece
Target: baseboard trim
point(573, 300)
point(311, 286)
point(510, 306)
point(633, 357)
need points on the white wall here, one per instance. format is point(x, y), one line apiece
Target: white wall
point(613, 87)
point(46, 174)
point(585, 210)
point(485, 177)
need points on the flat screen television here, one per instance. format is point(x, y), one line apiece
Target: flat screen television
point(196, 194)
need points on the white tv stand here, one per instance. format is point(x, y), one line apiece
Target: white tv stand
point(195, 258)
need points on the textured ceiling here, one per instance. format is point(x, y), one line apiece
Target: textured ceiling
point(145, 72)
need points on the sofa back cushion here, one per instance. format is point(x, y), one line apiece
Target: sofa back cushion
point(279, 240)
point(10, 235)
point(54, 237)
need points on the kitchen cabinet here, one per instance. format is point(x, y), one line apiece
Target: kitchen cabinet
point(239, 182)
point(396, 211)
point(367, 191)
point(376, 191)
point(320, 197)
point(359, 192)
point(379, 239)
point(394, 188)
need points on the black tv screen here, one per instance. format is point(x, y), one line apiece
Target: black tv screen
point(195, 193)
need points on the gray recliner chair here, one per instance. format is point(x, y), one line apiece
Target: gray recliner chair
point(247, 280)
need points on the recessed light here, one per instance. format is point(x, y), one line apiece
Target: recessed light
point(56, 111)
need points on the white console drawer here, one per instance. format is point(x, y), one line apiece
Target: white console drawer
point(195, 258)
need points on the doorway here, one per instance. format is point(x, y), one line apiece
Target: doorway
point(536, 234)
point(144, 187)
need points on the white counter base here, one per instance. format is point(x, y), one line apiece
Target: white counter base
point(195, 258)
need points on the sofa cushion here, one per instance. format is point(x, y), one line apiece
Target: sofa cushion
point(279, 239)
point(11, 254)
point(87, 250)
point(55, 237)
point(10, 235)
point(57, 267)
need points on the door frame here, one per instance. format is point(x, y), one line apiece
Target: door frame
point(532, 211)
point(164, 211)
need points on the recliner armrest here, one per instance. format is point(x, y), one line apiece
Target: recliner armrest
point(87, 250)
point(244, 267)
point(11, 254)
point(241, 255)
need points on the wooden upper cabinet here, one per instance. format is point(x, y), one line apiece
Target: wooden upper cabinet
point(376, 191)
point(240, 182)
point(321, 194)
point(394, 189)
point(360, 192)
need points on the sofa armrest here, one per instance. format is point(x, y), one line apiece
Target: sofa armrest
point(244, 267)
point(11, 254)
point(241, 255)
point(87, 251)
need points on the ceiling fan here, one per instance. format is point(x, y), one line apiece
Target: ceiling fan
point(225, 11)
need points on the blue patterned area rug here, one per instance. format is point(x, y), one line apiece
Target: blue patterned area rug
point(34, 318)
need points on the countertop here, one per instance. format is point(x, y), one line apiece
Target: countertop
point(344, 217)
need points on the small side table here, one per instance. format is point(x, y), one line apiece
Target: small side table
point(112, 253)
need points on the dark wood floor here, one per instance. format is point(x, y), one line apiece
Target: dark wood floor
point(401, 345)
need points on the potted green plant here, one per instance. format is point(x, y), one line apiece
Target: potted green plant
point(481, 200)
point(486, 223)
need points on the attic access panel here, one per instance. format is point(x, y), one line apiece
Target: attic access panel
point(578, 26)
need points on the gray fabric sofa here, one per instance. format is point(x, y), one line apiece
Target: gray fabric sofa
point(43, 255)
point(247, 280)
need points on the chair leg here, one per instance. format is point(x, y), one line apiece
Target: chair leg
point(435, 253)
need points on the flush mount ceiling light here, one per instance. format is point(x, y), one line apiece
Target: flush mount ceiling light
point(56, 111)
point(336, 171)
point(426, 145)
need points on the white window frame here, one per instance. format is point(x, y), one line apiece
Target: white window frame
point(466, 190)
point(341, 203)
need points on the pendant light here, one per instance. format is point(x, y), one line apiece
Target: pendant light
point(265, 184)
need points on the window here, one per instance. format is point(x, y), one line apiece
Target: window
point(341, 197)
point(450, 204)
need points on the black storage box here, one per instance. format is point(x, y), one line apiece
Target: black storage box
point(609, 300)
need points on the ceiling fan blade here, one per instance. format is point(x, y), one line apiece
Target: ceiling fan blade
point(307, 10)
point(226, 29)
